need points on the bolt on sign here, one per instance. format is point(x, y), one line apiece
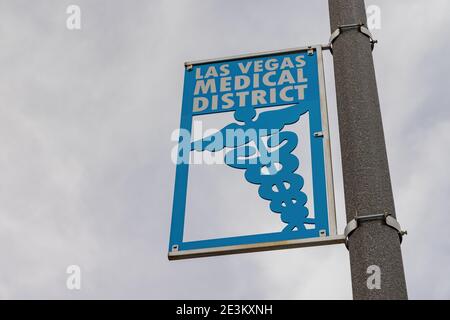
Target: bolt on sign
point(253, 156)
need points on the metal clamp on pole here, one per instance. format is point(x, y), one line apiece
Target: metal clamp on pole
point(388, 219)
point(361, 27)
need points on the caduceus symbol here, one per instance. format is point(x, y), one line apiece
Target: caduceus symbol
point(275, 175)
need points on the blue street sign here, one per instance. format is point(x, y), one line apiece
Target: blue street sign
point(263, 94)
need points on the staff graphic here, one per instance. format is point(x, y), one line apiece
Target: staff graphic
point(274, 173)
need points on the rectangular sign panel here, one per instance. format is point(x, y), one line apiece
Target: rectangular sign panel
point(253, 156)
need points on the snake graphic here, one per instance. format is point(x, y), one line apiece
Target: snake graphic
point(274, 173)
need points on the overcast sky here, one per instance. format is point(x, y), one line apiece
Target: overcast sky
point(86, 117)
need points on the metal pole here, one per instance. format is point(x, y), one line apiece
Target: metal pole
point(365, 168)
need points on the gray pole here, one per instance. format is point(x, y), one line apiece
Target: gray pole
point(367, 183)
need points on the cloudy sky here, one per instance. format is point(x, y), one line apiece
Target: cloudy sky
point(86, 117)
